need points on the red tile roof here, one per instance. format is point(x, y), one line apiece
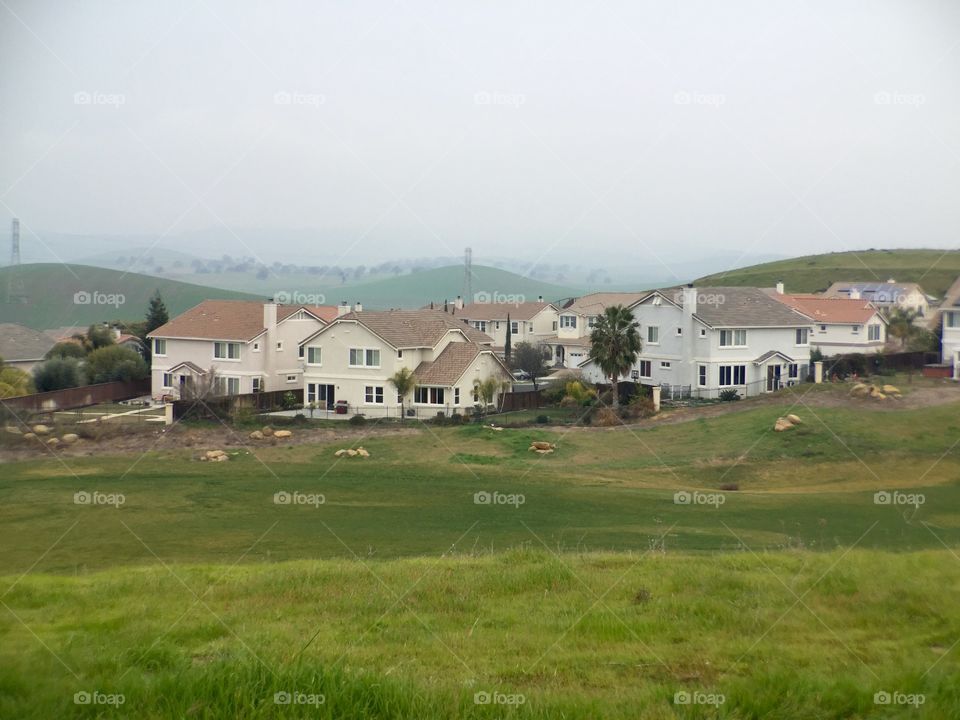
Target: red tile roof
point(829, 310)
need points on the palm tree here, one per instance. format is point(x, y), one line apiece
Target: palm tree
point(615, 344)
point(404, 381)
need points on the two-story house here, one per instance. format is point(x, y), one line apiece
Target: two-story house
point(950, 330)
point(570, 345)
point(251, 346)
point(885, 295)
point(353, 358)
point(840, 325)
point(529, 322)
point(717, 338)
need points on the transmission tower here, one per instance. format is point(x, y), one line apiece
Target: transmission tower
point(15, 292)
point(468, 275)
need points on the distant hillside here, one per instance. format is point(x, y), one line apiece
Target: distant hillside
point(59, 295)
point(935, 270)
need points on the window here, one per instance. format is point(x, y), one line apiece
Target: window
point(951, 319)
point(803, 336)
point(733, 375)
point(364, 357)
point(314, 356)
point(256, 347)
point(373, 394)
point(665, 365)
point(873, 332)
point(679, 331)
point(703, 376)
point(279, 345)
point(399, 354)
point(856, 329)
point(226, 351)
point(592, 321)
point(291, 378)
point(497, 325)
point(159, 346)
point(646, 369)
point(653, 334)
point(703, 332)
point(227, 385)
point(554, 326)
point(733, 338)
point(568, 321)
point(300, 351)
point(792, 370)
point(456, 396)
point(257, 384)
point(480, 325)
point(529, 327)
point(429, 395)
point(167, 380)
point(514, 327)
point(823, 328)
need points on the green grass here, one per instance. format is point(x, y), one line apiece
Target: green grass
point(50, 289)
point(398, 597)
point(935, 270)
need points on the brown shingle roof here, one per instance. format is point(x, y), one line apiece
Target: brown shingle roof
point(595, 303)
point(415, 328)
point(499, 311)
point(450, 364)
point(230, 320)
point(726, 307)
point(829, 310)
point(22, 343)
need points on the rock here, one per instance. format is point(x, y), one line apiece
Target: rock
point(29, 436)
point(256, 435)
point(541, 445)
point(216, 455)
point(351, 452)
point(544, 452)
point(795, 419)
point(70, 438)
point(891, 390)
point(13, 430)
point(282, 434)
point(340, 453)
point(53, 442)
point(41, 430)
point(860, 390)
point(362, 453)
point(219, 458)
point(782, 424)
point(267, 431)
point(879, 396)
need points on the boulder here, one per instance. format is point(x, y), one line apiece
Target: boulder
point(340, 453)
point(53, 442)
point(860, 390)
point(41, 430)
point(891, 390)
point(13, 430)
point(351, 452)
point(70, 438)
point(544, 452)
point(362, 453)
point(795, 419)
point(256, 435)
point(29, 436)
point(267, 431)
point(782, 424)
point(216, 455)
point(282, 434)
point(541, 445)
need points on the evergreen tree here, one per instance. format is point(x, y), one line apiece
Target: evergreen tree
point(157, 314)
point(508, 342)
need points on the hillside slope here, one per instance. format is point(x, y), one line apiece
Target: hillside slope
point(935, 270)
point(59, 295)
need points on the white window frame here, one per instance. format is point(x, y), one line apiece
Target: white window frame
point(227, 345)
point(856, 329)
point(653, 334)
point(164, 383)
point(223, 382)
point(279, 345)
point(432, 392)
point(292, 378)
point(666, 365)
point(300, 352)
point(364, 351)
point(514, 327)
point(702, 375)
point(731, 335)
point(480, 325)
point(568, 322)
point(373, 394)
point(732, 371)
point(456, 396)
point(256, 384)
point(873, 329)
point(805, 336)
point(703, 332)
point(256, 347)
point(319, 356)
point(649, 365)
point(157, 344)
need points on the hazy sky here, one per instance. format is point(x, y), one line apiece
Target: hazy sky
point(620, 131)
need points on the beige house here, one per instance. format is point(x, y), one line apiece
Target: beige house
point(529, 322)
point(885, 295)
point(570, 344)
point(351, 360)
point(252, 346)
point(840, 325)
point(22, 347)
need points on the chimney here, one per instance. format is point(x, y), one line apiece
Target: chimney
point(689, 304)
point(539, 298)
point(459, 304)
point(343, 308)
point(854, 293)
point(779, 288)
point(269, 316)
point(358, 307)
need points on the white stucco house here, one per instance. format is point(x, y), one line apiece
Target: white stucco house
point(252, 346)
point(530, 322)
point(351, 360)
point(885, 295)
point(711, 339)
point(840, 325)
point(570, 344)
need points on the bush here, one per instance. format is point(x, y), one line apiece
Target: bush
point(640, 406)
point(542, 419)
point(115, 362)
point(457, 419)
point(730, 487)
point(57, 375)
point(553, 393)
point(729, 395)
point(358, 420)
point(288, 401)
point(606, 417)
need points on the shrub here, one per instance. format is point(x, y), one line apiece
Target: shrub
point(569, 402)
point(457, 419)
point(358, 420)
point(578, 393)
point(288, 401)
point(729, 395)
point(57, 375)
point(640, 406)
point(553, 393)
point(606, 417)
point(115, 362)
point(542, 419)
point(730, 487)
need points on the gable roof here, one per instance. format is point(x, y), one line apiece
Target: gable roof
point(19, 343)
point(595, 303)
point(772, 354)
point(499, 311)
point(879, 292)
point(230, 320)
point(829, 309)
point(410, 328)
point(450, 365)
point(952, 299)
point(737, 307)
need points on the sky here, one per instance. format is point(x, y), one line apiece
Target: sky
point(612, 133)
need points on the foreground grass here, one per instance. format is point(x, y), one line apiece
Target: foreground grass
point(786, 635)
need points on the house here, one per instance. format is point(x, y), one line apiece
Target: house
point(570, 344)
point(252, 346)
point(530, 322)
point(352, 359)
point(950, 333)
point(22, 347)
point(840, 325)
point(884, 295)
point(711, 339)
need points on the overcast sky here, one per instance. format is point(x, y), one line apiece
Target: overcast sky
point(626, 131)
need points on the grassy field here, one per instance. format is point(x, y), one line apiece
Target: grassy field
point(935, 270)
point(585, 589)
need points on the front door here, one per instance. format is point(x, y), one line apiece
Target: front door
point(559, 355)
point(773, 378)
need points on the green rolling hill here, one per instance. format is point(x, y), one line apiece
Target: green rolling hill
point(50, 289)
point(935, 270)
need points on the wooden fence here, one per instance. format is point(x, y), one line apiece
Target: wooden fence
point(77, 397)
point(521, 400)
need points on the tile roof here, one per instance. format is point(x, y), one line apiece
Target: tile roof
point(230, 320)
point(594, 303)
point(415, 328)
point(18, 343)
point(829, 309)
point(450, 365)
point(739, 307)
point(499, 311)
point(66, 332)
